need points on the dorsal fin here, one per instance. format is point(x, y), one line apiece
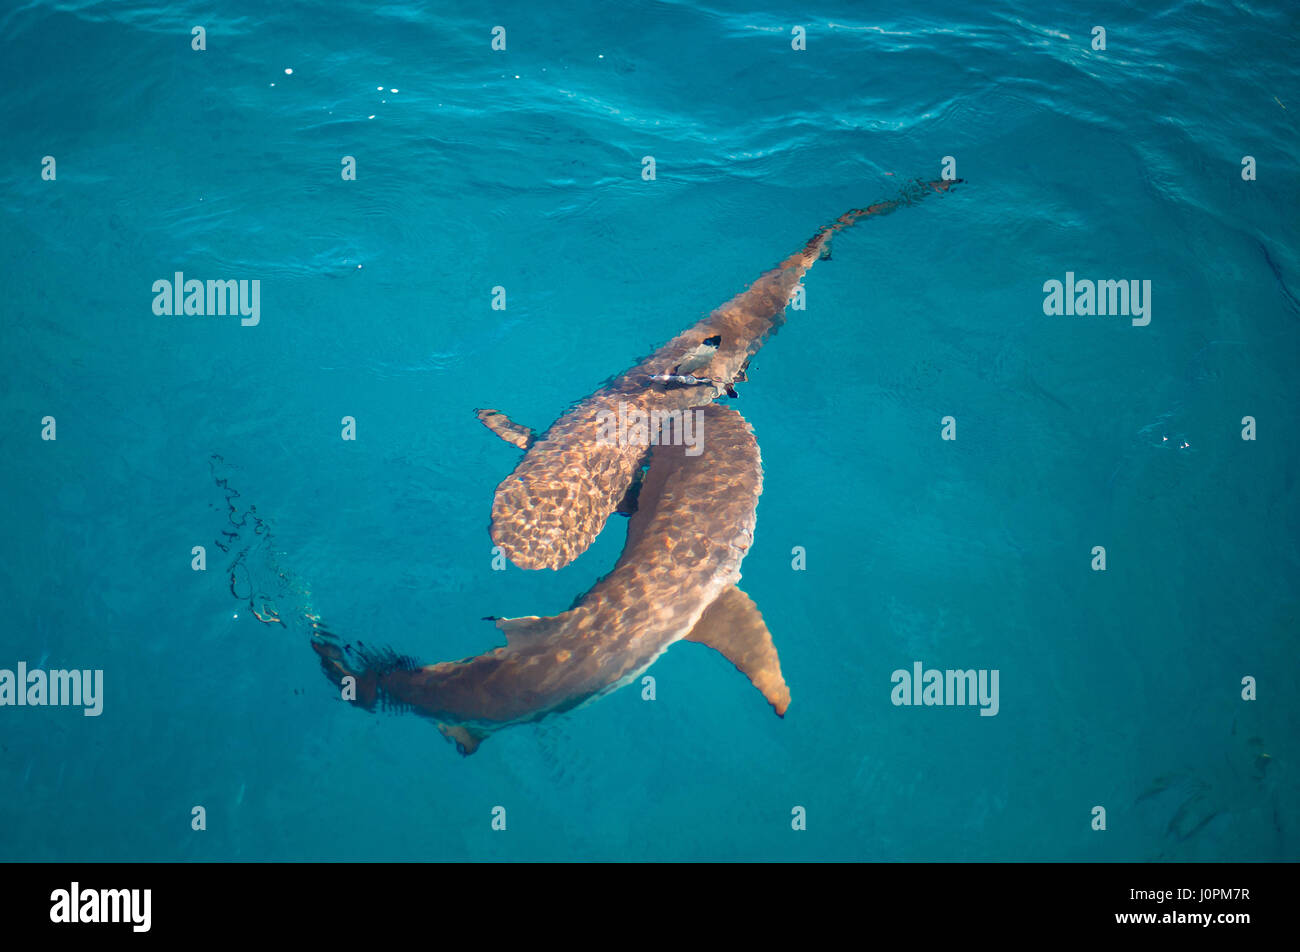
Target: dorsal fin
point(733, 626)
point(506, 428)
point(631, 498)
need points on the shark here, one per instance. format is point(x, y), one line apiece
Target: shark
point(572, 477)
point(692, 517)
point(675, 580)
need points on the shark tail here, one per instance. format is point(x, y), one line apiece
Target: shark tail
point(819, 244)
point(368, 669)
point(358, 670)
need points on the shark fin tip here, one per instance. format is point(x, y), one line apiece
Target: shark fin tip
point(466, 739)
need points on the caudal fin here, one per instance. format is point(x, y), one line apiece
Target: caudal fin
point(912, 193)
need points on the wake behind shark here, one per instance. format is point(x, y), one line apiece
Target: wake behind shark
point(676, 579)
point(550, 509)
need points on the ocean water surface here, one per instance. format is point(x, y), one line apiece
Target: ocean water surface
point(522, 168)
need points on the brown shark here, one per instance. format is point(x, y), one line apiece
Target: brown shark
point(676, 579)
point(557, 500)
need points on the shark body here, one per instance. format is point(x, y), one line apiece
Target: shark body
point(676, 579)
point(692, 522)
point(550, 509)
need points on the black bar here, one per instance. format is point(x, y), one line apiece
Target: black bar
point(354, 902)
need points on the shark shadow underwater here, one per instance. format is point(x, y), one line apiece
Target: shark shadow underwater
point(692, 523)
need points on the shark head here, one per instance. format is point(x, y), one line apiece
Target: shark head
point(549, 510)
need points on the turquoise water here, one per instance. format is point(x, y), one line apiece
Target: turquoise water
point(522, 169)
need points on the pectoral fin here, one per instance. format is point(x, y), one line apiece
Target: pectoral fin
point(526, 628)
point(506, 428)
point(733, 626)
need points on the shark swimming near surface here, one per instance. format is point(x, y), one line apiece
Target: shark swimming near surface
point(570, 480)
point(675, 580)
point(693, 513)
